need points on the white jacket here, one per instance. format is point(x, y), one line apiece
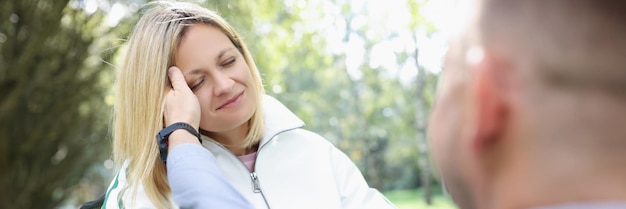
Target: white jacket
point(295, 168)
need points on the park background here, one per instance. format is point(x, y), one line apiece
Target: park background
point(361, 73)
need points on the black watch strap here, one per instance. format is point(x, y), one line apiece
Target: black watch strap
point(163, 136)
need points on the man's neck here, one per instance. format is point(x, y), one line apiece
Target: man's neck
point(558, 183)
point(588, 205)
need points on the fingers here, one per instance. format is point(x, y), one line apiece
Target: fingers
point(181, 105)
point(177, 79)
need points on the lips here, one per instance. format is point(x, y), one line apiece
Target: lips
point(231, 102)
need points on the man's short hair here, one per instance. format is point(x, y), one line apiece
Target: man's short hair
point(572, 44)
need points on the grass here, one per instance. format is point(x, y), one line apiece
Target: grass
point(413, 199)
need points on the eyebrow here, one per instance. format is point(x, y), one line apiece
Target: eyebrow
point(219, 56)
point(224, 52)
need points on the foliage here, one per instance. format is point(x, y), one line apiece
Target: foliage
point(317, 57)
point(369, 111)
point(53, 113)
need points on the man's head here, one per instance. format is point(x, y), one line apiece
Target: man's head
point(533, 96)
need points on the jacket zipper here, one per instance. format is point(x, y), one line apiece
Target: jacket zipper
point(256, 186)
point(255, 182)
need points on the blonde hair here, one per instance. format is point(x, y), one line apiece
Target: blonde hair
point(141, 86)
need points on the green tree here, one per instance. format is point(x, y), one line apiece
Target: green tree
point(425, 83)
point(375, 117)
point(53, 113)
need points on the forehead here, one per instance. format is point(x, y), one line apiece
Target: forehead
point(200, 34)
point(199, 43)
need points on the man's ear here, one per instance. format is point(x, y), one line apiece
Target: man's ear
point(487, 96)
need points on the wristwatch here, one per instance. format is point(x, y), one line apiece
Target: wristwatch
point(163, 135)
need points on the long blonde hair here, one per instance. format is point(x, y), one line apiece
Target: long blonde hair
point(141, 85)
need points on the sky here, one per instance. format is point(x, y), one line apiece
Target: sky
point(384, 17)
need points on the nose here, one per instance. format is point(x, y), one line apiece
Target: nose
point(223, 84)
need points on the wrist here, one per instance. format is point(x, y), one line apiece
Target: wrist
point(181, 136)
point(195, 126)
point(165, 143)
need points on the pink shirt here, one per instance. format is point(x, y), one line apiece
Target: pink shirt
point(248, 160)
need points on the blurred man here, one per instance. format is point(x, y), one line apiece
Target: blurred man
point(531, 109)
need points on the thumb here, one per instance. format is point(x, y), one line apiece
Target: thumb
point(177, 79)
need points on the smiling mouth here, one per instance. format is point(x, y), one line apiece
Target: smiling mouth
point(230, 101)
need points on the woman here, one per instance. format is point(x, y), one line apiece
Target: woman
point(257, 142)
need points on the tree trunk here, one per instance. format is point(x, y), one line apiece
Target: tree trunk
point(420, 118)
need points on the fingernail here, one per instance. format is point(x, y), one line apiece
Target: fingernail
point(170, 70)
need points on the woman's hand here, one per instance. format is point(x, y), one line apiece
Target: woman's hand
point(181, 105)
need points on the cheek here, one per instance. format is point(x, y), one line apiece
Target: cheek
point(204, 99)
point(445, 132)
point(441, 128)
point(434, 134)
point(242, 74)
point(444, 151)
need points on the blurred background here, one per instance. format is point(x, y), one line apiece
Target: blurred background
point(360, 73)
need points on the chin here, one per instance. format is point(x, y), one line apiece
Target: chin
point(223, 125)
point(227, 122)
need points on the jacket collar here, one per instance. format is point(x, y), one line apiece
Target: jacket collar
point(278, 119)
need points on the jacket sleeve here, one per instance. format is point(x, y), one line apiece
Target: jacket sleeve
point(194, 178)
point(354, 190)
point(197, 182)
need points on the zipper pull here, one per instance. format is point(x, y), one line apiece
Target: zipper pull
point(255, 182)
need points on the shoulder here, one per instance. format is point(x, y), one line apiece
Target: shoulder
point(120, 195)
point(305, 136)
point(117, 188)
point(305, 141)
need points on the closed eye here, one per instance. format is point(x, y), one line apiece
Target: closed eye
point(229, 62)
point(197, 84)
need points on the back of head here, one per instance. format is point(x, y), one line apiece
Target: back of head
point(532, 105)
point(570, 58)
